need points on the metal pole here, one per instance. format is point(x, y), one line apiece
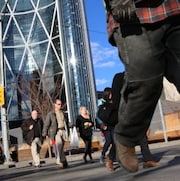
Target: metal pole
point(163, 121)
point(4, 122)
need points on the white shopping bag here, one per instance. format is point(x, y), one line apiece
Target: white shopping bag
point(74, 139)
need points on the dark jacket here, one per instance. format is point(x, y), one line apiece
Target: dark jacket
point(117, 85)
point(29, 135)
point(84, 131)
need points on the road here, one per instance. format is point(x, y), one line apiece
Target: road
point(169, 170)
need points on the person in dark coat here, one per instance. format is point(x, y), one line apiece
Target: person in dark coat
point(2, 156)
point(32, 134)
point(147, 36)
point(85, 124)
point(107, 130)
point(148, 159)
point(115, 97)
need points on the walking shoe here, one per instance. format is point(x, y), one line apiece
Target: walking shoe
point(37, 166)
point(65, 164)
point(84, 158)
point(91, 160)
point(102, 159)
point(127, 157)
point(109, 165)
point(149, 164)
point(60, 164)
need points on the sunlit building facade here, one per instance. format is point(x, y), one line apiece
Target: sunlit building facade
point(46, 56)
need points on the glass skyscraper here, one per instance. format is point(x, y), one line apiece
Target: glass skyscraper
point(46, 56)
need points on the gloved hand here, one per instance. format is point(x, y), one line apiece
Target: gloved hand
point(123, 10)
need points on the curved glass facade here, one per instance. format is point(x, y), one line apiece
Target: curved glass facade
point(47, 55)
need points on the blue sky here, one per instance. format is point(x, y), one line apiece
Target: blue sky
point(105, 57)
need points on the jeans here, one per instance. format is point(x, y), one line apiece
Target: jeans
point(149, 52)
point(108, 141)
point(112, 151)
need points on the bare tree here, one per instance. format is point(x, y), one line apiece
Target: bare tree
point(34, 92)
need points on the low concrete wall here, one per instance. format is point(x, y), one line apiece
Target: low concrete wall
point(23, 152)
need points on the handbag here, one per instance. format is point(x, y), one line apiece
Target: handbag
point(74, 139)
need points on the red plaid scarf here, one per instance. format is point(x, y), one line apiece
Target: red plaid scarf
point(149, 14)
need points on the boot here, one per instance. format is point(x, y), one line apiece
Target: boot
point(109, 165)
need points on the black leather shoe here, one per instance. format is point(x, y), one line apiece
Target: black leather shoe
point(37, 166)
point(85, 160)
point(91, 160)
point(65, 164)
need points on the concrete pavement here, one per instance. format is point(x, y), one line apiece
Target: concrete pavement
point(167, 153)
point(76, 157)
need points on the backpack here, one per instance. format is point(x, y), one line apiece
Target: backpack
point(108, 113)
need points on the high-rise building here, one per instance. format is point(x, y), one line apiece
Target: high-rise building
point(47, 55)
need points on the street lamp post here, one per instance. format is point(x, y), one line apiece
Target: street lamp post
point(4, 122)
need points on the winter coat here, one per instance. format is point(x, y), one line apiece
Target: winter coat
point(83, 130)
point(50, 127)
point(28, 134)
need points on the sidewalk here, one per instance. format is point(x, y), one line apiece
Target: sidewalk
point(27, 163)
point(161, 144)
point(76, 157)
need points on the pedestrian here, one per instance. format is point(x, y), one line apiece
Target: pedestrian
point(55, 129)
point(99, 123)
point(85, 124)
point(2, 156)
point(106, 128)
point(112, 97)
point(148, 159)
point(32, 134)
point(147, 35)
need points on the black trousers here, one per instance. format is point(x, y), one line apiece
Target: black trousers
point(88, 145)
point(149, 52)
point(146, 153)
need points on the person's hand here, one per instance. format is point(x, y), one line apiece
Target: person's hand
point(123, 10)
point(103, 127)
point(86, 124)
point(31, 126)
